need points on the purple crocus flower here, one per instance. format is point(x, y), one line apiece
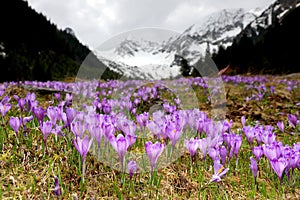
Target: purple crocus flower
point(16, 97)
point(270, 152)
point(142, 119)
point(281, 126)
point(259, 137)
point(108, 130)
point(214, 153)
point(258, 152)
point(120, 144)
point(243, 120)
point(131, 138)
point(24, 121)
point(77, 128)
point(27, 119)
point(57, 130)
point(21, 103)
point(173, 132)
point(69, 98)
point(223, 154)
point(219, 171)
point(46, 129)
point(153, 151)
point(177, 101)
point(235, 143)
point(39, 113)
point(57, 190)
point(5, 100)
point(52, 113)
point(227, 139)
point(57, 96)
point(268, 137)
point(155, 128)
point(128, 127)
point(203, 145)
point(4, 108)
point(106, 108)
point(278, 148)
point(279, 166)
point(293, 118)
point(249, 133)
point(253, 167)
point(293, 162)
point(132, 167)
point(192, 146)
point(82, 146)
point(70, 114)
point(14, 122)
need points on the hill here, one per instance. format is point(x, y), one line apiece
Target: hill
point(33, 48)
point(266, 50)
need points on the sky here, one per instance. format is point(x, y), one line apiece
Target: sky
point(96, 21)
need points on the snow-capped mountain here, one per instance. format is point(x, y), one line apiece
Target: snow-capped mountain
point(143, 72)
point(139, 57)
point(143, 58)
point(131, 46)
point(275, 11)
point(218, 29)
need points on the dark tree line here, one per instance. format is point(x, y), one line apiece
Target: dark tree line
point(274, 50)
point(35, 49)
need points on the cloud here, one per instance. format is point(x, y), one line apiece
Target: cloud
point(95, 21)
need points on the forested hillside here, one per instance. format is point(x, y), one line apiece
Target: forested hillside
point(273, 50)
point(32, 48)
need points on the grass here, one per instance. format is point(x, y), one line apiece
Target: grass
point(28, 173)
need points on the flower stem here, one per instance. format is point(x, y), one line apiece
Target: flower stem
point(83, 170)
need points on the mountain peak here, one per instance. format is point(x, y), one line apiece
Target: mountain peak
point(275, 11)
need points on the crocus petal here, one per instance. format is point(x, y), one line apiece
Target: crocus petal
point(253, 166)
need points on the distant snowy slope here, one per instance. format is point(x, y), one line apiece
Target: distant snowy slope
point(138, 57)
point(217, 29)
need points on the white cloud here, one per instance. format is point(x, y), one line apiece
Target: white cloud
point(186, 14)
point(95, 21)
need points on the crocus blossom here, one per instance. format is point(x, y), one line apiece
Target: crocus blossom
point(39, 113)
point(57, 190)
point(142, 119)
point(258, 152)
point(120, 144)
point(82, 146)
point(4, 108)
point(281, 126)
point(223, 154)
point(132, 167)
point(14, 122)
point(78, 128)
point(243, 120)
point(191, 145)
point(293, 118)
point(253, 166)
point(279, 166)
point(173, 132)
point(70, 114)
point(219, 171)
point(153, 151)
point(46, 129)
